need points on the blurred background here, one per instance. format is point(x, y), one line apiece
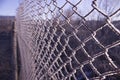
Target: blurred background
point(73, 33)
point(7, 18)
point(8, 7)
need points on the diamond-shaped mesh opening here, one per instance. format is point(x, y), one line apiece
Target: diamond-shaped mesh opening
point(59, 62)
point(59, 47)
point(63, 40)
point(107, 36)
point(53, 56)
point(68, 11)
point(64, 71)
point(114, 54)
point(81, 56)
point(92, 47)
point(59, 31)
point(68, 29)
point(74, 42)
point(55, 38)
point(64, 58)
point(69, 68)
point(56, 65)
point(56, 52)
point(79, 75)
point(68, 51)
point(102, 64)
point(54, 68)
point(52, 43)
point(86, 9)
point(52, 7)
point(83, 33)
point(51, 30)
point(90, 73)
point(74, 63)
point(61, 3)
point(60, 75)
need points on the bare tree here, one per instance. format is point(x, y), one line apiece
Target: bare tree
point(68, 13)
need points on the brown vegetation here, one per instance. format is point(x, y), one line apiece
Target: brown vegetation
point(6, 54)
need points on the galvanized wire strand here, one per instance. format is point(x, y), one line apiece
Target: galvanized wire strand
point(58, 41)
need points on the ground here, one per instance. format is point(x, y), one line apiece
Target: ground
point(6, 57)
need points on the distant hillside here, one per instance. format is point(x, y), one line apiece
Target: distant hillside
point(6, 52)
point(6, 23)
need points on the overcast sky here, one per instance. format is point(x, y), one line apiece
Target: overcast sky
point(8, 7)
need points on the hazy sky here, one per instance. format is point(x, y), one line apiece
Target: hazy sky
point(8, 7)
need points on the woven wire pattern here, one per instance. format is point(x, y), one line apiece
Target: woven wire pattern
point(69, 40)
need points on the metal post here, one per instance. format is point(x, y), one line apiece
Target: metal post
point(15, 52)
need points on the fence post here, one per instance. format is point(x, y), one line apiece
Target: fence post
point(15, 52)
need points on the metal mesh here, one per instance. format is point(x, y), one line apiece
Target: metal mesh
point(69, 39)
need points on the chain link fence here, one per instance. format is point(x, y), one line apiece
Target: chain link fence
point(69, 39)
